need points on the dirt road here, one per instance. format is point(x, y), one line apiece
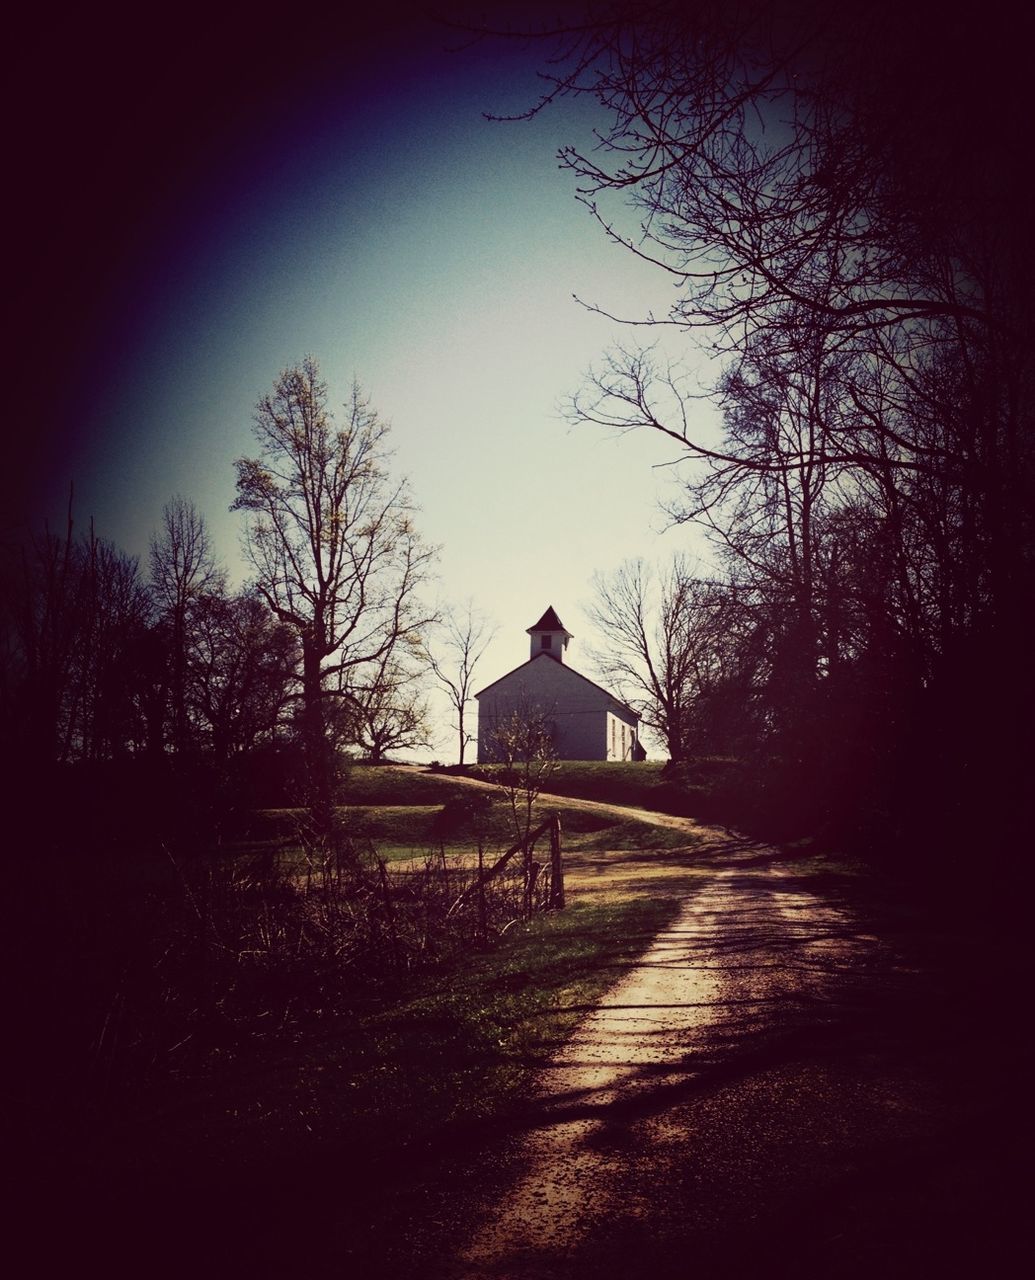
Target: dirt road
point(548, 799)
point(762, 1094)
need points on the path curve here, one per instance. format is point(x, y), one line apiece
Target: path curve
point(781, 1086)
point(576, 802)
point(716, 1102)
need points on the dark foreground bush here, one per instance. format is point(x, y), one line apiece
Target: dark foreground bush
point(154, 963)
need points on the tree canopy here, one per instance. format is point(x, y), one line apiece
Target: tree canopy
point(845, 226)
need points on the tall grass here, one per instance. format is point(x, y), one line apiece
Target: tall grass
point(182, 956)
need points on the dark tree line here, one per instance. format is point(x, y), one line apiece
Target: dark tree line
point(848, 229)
point(102, 663)
point(322, 653)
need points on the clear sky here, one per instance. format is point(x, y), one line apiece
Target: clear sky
point(371, 216)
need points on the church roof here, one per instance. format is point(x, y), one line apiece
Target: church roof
point(549, 622)
point(571, 671)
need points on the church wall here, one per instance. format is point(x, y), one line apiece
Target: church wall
point(621, 735)
point(581, 714)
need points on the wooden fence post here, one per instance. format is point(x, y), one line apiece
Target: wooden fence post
point(386, 897)
point(556, 902)
point(532, 869)
point(483, 927)
point(521, 846)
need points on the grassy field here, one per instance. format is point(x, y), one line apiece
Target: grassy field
point(485, 1022)
point(398, 813)
point(449, 1048)
point(643, 784)
point(323, 1136)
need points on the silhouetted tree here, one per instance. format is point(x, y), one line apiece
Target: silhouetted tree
point(43, 615)
point(383, 707)
point(333, 546)
point(183, 569)
point(850, 235)
point(241, 672)
point(683, 650)
point(103, 714)
point(75, 610)
point(453, 654)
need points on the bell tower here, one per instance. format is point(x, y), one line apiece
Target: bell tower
point(549, 636)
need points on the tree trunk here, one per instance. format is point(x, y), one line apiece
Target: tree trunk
point(179, 683)
point(315, 744)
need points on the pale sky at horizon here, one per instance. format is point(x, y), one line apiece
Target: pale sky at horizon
point(406, 242)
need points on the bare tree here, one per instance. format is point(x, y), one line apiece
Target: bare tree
point(183, 568)
point(522, 742)
point(459, 647)
point(43, 610)
point(72, 610)
point(774, 156)
point(789, 170)
point(102, 717)
point(849, 238)
point(241, 672)
point(383, 707)
point(669, 643)
point(333, 546)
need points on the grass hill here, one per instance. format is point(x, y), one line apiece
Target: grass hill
point(697, 789)
point(402, 811)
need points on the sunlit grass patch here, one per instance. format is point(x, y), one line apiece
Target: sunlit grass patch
point(455, 1034)
point(688, 791)
point(399, 832)
point(374, 785)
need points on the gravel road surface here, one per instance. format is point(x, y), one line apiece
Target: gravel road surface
point(765, 1093)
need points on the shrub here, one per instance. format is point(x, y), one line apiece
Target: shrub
point(467, 814)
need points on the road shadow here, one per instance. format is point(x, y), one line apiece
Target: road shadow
point(861, 1118)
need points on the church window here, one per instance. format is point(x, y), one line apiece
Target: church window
point(547, 642)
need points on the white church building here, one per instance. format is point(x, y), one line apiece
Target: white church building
point(585, 721)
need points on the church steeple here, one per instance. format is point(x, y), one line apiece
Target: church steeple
point(549, 636)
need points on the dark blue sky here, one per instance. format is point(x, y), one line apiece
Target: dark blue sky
point(137, 131)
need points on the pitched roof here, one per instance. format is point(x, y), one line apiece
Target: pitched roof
point(564, 667)
point(549, 622)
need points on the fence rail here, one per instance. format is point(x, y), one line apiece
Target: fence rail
point(543, 882)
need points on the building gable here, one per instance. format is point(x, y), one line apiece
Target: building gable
point(585, 721)
point(569, 672)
